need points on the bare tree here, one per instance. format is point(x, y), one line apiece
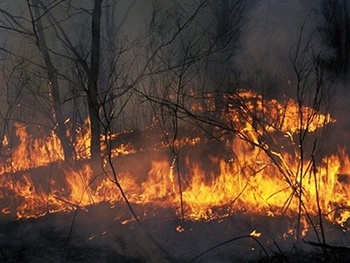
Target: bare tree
point(93, 73)
point(47, 23)
point(197, 40)
point(15, 24)
point(244, 118)
point(311, 90)
point(14, 79)
point(40, 41)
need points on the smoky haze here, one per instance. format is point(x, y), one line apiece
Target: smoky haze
point(186, 84)
point(268, 32)
point(142, 69)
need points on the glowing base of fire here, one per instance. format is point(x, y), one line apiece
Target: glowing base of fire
point(249, 183)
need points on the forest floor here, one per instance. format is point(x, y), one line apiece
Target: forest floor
point(99, 234)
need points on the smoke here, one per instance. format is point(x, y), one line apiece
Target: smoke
point(267, 45)
point(272, 30)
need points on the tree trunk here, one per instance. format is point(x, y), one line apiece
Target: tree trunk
point(51, 71)
point(93, 102)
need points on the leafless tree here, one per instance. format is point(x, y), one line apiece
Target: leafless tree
point(14, 79)
point(40, 41)
point(312, 90)
point(252, 124)
point(14, 24)
point(198, 40)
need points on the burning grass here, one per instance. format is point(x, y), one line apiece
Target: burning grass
point(213, 193)
point(94, 223)
point(212, 187)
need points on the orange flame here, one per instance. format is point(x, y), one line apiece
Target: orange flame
point(256, 179)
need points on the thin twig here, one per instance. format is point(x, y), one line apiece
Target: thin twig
point(227, 242)
point(69, 235)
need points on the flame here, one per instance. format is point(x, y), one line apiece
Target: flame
point(254, 233)
point(255, 179)
point(287, 117)
point(36, 152)
point(31, 152)
point(180, 229)
point(244, 184)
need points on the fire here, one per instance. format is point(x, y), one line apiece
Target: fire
point(283, 117)
point(254, 233)
point(254, 179)
point(31, 152)
point(243, 184)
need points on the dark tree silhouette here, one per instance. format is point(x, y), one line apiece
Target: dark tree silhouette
point(40, 41)
point(92, 91)
point(335, 33)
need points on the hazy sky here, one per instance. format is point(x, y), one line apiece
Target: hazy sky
point(274, 26)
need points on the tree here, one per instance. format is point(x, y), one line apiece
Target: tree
point(14, 24)
point(40, 41)
point(189, 57)
point(41, 12)
point(93, 73)
point(245, 118)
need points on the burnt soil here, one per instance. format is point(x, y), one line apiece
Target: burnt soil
point(105, 233)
